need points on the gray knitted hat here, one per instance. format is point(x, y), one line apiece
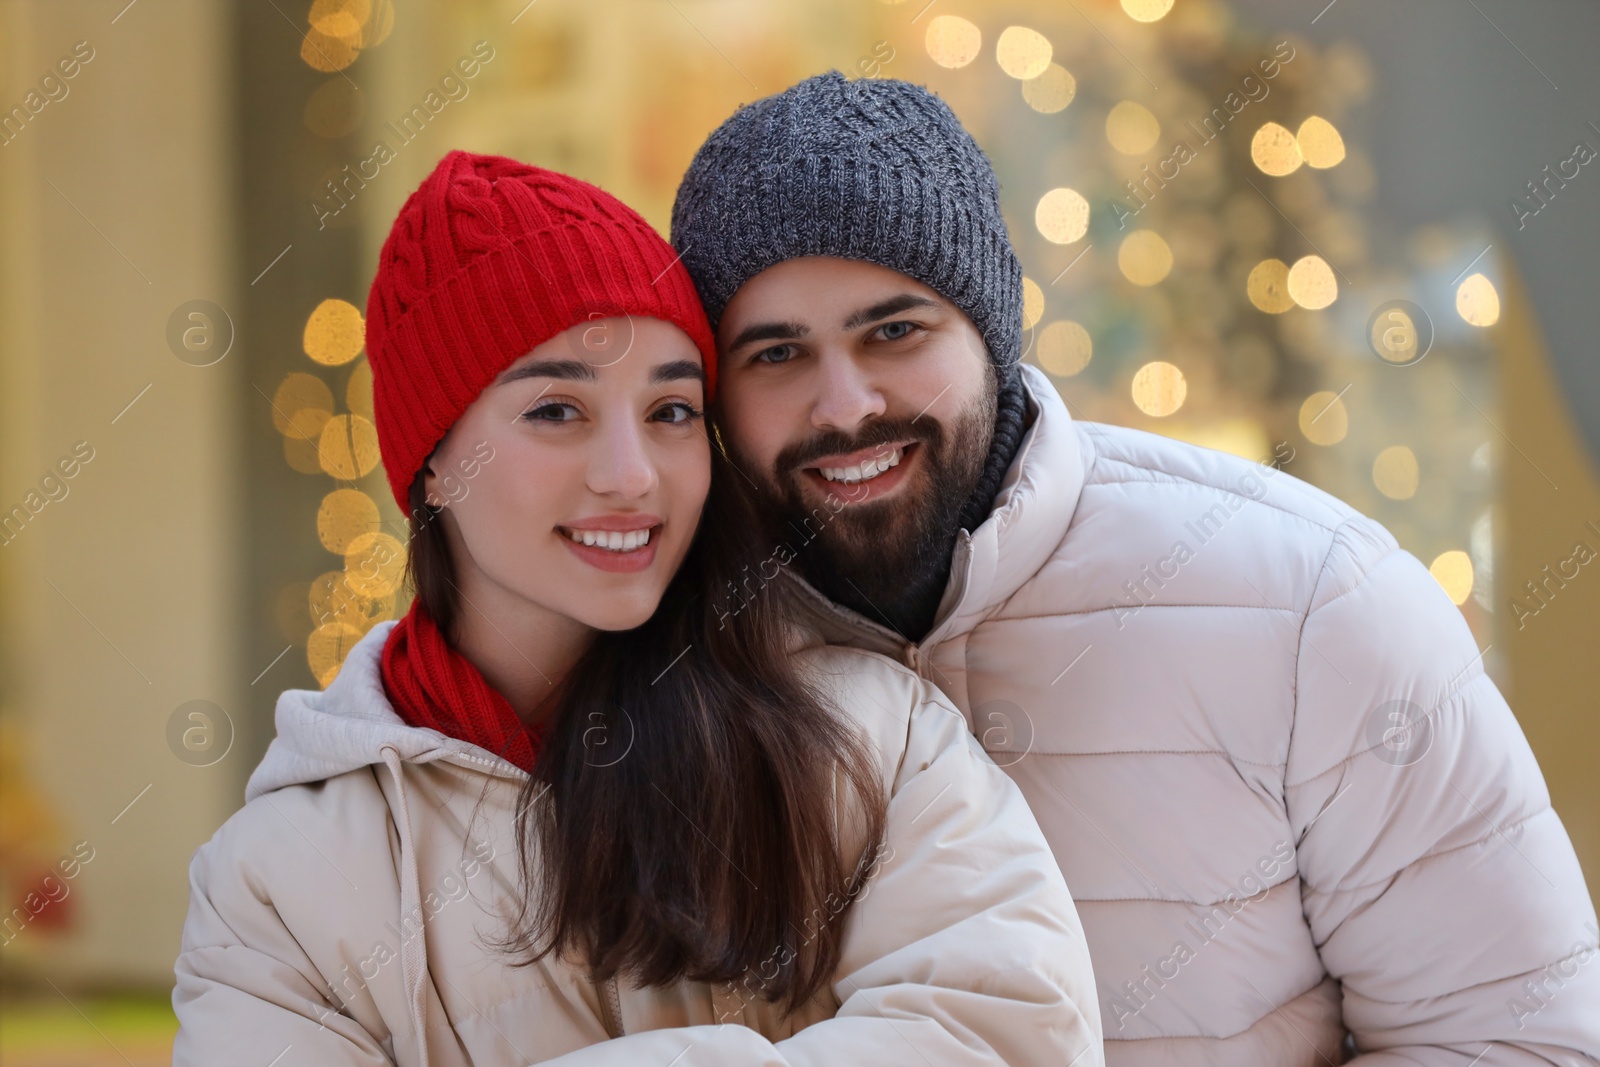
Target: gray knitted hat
point(873, 169)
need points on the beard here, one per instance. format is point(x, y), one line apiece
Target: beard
point(888, 560)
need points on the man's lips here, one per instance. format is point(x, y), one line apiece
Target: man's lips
point(879, 485)
point(851, 459)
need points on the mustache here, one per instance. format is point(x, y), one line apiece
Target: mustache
point(882, 432)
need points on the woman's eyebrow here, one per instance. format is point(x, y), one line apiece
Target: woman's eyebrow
point(569, 370)
point(677, 369)
point(884, 308)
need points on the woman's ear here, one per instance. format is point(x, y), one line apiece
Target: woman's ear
point(431, 495)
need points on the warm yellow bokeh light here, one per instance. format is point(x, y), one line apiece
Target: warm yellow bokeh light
point(340, 18)
point(1477, 302)
point(1159, 389)
point(1032, 303)
point(1146, 10)
point(1062, 216)
point(1394, 472)
point(953, 41)
point(1065, 348)
point(335, 333)
point(1312, 284)
point(1320, 144)
point(1324, 419)
point(374, 564)
point(301, 406)
point(1275, 150)
point(327, 54)
point(1051, 91)
point(358, 390)
point(1144, 257)
point(1022, 53)
point(1453, 570)
point(1268, 286)
point(348, 447)
point(332, 600)
point(344, 515)
point(326, 649)
point(1132, 128)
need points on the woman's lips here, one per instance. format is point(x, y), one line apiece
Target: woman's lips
point(612, 560)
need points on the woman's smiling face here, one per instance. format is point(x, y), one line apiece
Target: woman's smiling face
point(575, 481)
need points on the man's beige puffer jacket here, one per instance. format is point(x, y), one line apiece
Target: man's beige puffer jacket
point(344, 915)
point(1288, 800)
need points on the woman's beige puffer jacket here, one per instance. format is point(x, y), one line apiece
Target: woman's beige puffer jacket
point(342, 916)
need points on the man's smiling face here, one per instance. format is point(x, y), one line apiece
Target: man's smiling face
point(847, 379)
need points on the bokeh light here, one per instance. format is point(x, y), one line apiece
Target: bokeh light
point(1144, 257)
point(1275, 150)
point(1268, 286)
point(1022, 53)
point(1324, 420)
point(1453, 571)
point(1477, 302)
point(952, 41)
point(1065, 348)
point(1395, 473)
point(1159, 389)
point(1312, 284)
point(1132, 128)
point(1051, 91)
point(1319, 143)
point(1062, 216)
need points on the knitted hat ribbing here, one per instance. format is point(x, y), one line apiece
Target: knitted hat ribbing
point(488, 259)
point(873, 169)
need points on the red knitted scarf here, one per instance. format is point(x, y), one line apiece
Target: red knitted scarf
point(432, 685)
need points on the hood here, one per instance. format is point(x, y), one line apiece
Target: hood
point(323, 733)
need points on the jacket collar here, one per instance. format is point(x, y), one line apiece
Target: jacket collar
point(1030, 515)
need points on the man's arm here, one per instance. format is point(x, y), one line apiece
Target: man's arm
point(1440, 886)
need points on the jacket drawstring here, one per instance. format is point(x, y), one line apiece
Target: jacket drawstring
point(413, 962)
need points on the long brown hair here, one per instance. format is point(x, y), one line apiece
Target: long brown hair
point(692, 773)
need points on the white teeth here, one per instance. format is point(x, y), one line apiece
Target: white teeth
point(614, 540)
point(861, 472)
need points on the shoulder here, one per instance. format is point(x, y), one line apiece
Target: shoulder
point(896, 708)
point(275, 837)
point(1243, 534)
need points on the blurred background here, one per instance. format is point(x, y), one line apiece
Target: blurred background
point(1355, 239)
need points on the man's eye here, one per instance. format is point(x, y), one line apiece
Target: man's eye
point(893, 331)
point(775, 354)
point(550, 412)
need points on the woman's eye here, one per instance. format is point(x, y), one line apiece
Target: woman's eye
point(775, 354)
point(893, 331)
point(684, 412)
point(549, 412)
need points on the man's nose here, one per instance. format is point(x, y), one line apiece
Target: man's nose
point(846, 394)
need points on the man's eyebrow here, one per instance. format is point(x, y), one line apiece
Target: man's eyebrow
point(678, 369)
point(884, 308)
point(567, 370)
point(768, 331)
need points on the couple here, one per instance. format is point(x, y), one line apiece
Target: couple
point(683, 727)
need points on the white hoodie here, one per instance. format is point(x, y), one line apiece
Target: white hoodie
point(341, 917)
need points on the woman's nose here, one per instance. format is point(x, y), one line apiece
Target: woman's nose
point(621, 464)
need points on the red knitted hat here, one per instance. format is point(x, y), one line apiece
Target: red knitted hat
point(488, 259)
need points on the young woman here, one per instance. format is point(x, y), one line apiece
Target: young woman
point(590, 798)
